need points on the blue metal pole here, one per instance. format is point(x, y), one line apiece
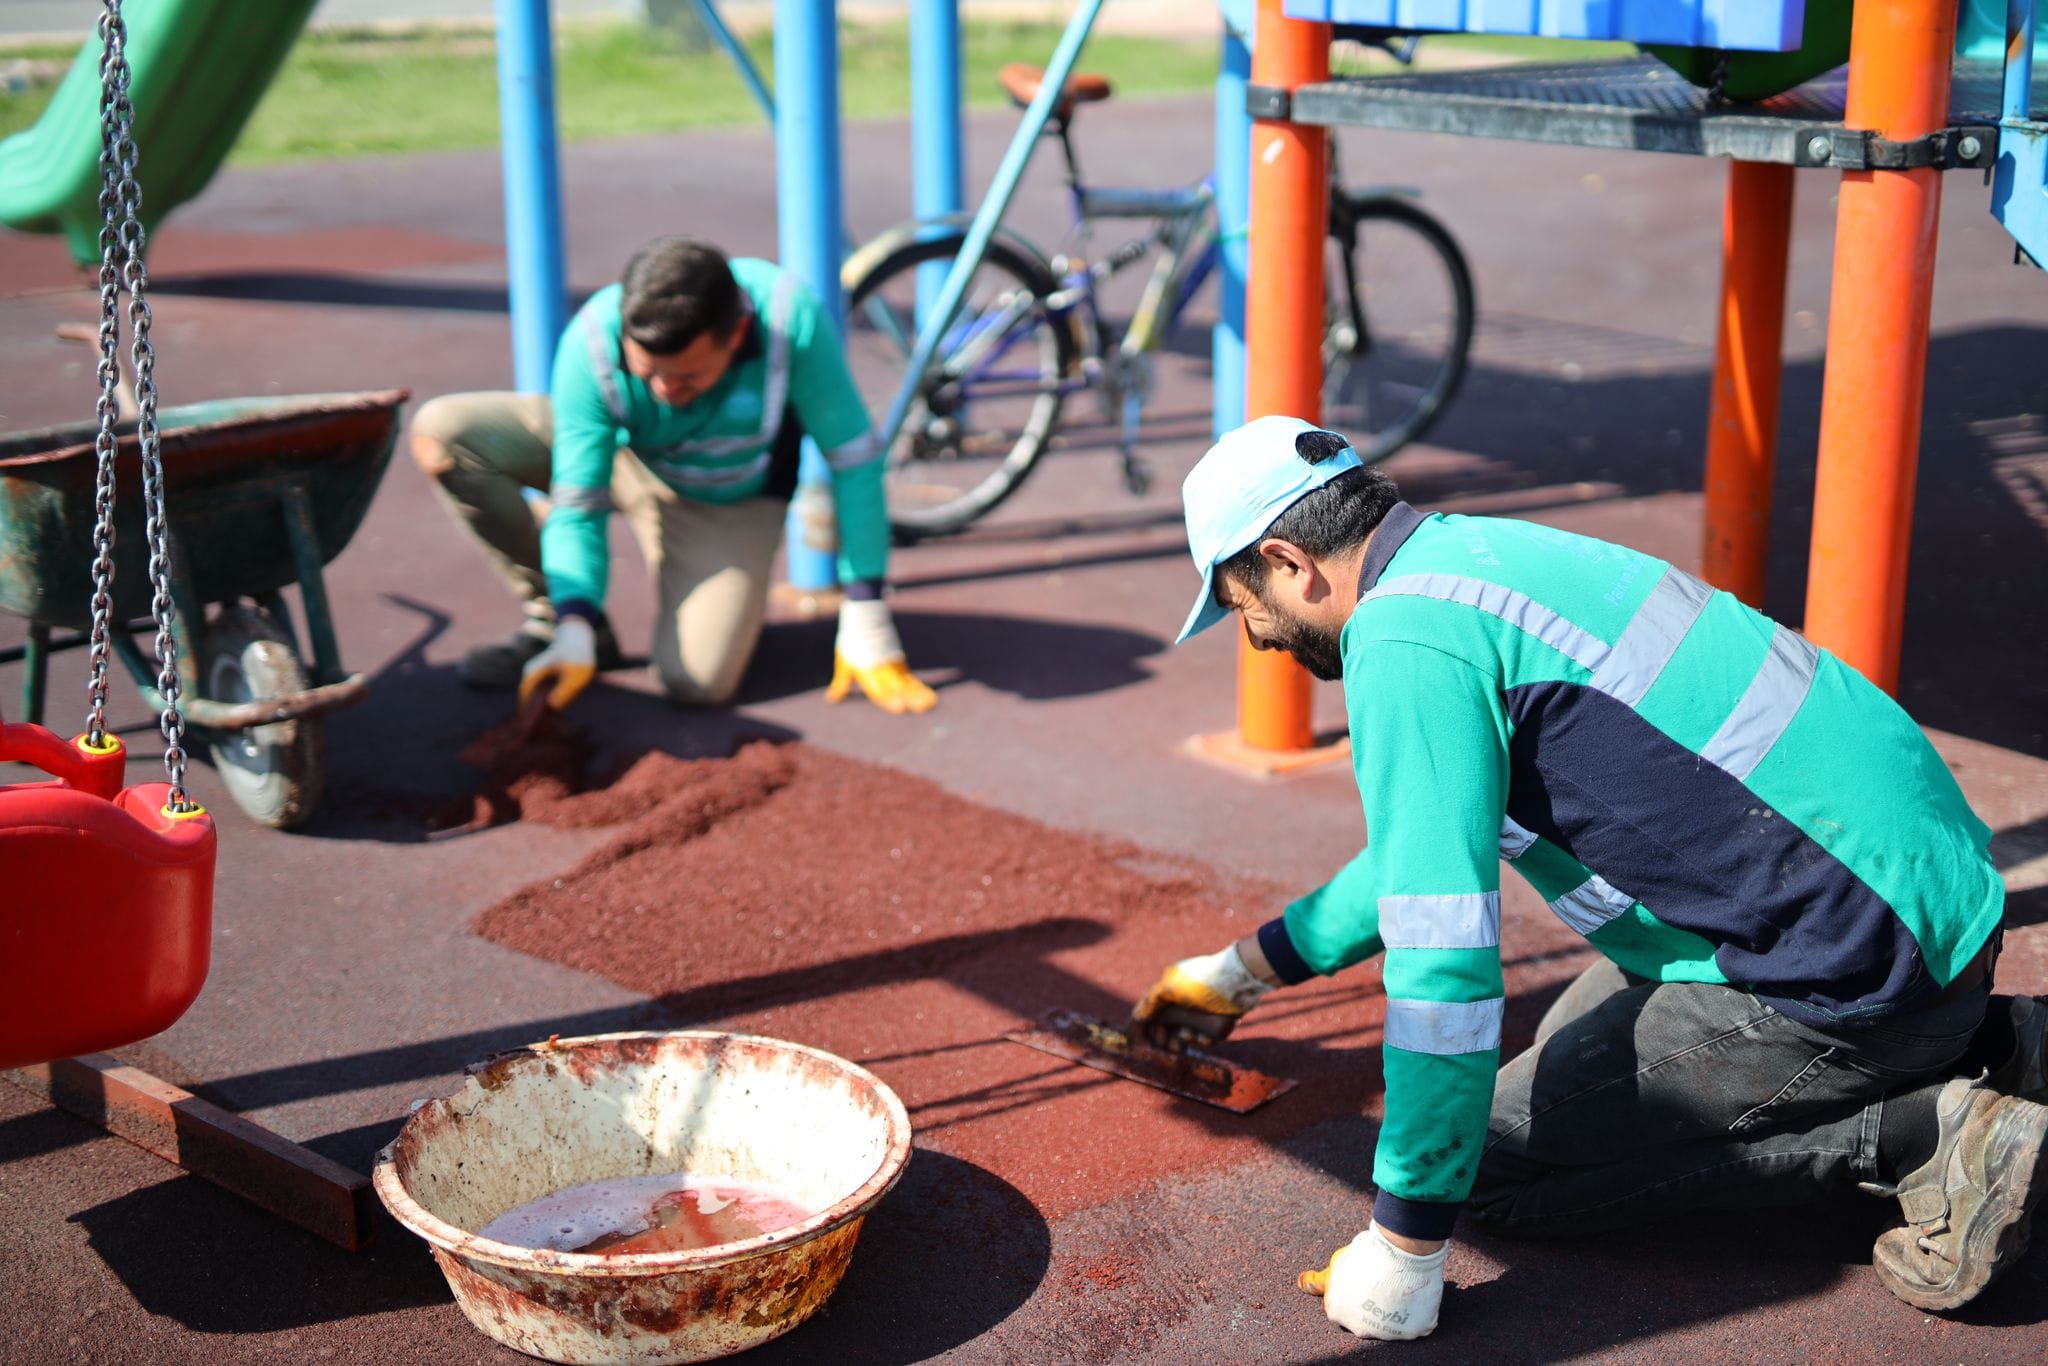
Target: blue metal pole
point(936, 162)
point(533, 197)
point(1233, 220)
point(993, 206)
point(742, 61)
point(807, 199)
point(2019, 58)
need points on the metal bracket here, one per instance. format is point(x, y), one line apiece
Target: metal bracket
point(1859, 149)
point(1269, 102)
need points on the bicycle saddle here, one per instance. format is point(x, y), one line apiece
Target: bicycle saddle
point(1021, 80)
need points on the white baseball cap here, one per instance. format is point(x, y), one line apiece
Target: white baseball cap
point(1242, 485)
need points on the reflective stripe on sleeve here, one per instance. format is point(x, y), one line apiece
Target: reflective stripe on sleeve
point(1766, 706)
point(1468, 920)
point(1444, 1027)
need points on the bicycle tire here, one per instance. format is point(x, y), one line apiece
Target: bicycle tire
point(1422, 384)
point(892, 280)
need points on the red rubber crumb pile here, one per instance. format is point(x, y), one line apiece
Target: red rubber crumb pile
point(796, 893)
point(785, 856)
point(533, 761)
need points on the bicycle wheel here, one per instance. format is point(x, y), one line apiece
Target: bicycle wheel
point(991, 399)
point(1399, 322)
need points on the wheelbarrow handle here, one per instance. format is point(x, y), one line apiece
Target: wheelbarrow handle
point(72, 762)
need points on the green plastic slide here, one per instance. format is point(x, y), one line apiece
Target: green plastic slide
point(198, 68)
point(1759, 75)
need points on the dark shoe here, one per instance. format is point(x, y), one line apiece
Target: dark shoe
point(497, 668)
point(609, 656)
point(1967, 1210)
point(2025, 1073)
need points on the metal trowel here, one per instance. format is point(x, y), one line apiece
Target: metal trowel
point(1192, 1074)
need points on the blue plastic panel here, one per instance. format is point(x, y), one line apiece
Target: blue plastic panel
point(1748, 25)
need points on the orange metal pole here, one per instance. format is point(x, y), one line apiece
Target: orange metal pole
point(1742, 424)
point(1899, 55)
point(1284, 321)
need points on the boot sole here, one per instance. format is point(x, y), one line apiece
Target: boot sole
point(1999, 1233)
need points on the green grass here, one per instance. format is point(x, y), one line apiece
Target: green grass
point(350, 94)
point(343, 94)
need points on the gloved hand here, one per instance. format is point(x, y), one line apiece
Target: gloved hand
point(1375, 1290)
point(868, 655)
point(565, 668)
point(1199, 1000)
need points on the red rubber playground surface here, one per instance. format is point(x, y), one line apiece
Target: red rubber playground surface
point(1049, 1214)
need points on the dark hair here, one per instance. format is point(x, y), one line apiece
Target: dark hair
point(678, 289)
point(1324, 522)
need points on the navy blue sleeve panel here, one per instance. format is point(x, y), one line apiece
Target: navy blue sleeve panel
point(1281, 955)
point(1428, 1219)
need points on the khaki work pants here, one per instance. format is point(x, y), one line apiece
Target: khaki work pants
point(711, 562)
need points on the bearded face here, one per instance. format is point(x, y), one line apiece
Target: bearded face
point(1316, 649)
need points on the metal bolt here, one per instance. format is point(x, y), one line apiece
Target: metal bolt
point(1820, 147)
point(1968, 148)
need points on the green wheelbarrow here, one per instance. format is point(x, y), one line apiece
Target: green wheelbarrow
point(259, 493)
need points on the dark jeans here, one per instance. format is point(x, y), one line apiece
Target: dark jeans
point(1641, 1100)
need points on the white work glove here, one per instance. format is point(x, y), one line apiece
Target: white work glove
point(1199, 1000)
point(1375, 1290)
point(565, 668)
point(869, 656)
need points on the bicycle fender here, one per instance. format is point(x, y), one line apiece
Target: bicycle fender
point(1364, 194)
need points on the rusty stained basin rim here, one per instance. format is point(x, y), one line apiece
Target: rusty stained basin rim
point(442, 1234)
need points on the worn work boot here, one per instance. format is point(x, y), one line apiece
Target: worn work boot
point(1967, 1209)
point(498, 667)
point(2025, 1073)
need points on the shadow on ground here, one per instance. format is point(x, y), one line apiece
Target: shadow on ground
point(214, 1263)
point(1027, 657)
point(952, 1252)
point(1580, 1297)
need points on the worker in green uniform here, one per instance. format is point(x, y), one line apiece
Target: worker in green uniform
point(680, 397)
point(1795, 911)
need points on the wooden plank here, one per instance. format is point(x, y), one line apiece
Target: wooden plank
point(292, 1182)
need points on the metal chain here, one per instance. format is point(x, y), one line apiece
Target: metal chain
point(121, 207)
point(113, 39)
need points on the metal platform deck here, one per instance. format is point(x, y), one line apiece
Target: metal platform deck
point(1638, 103)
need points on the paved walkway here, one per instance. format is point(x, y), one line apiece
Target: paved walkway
point(345, 982)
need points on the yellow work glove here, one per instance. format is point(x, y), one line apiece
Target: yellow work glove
point(868, 655)
point(565, 668)
point(1199, 1000)
point(1375, 1290)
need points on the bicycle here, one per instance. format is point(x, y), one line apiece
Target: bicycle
point(1031, 331)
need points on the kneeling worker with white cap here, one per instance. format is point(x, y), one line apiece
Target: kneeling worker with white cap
point(1795, 912)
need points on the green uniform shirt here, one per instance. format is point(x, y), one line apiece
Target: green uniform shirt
point(1702, 793)
point(718, 447)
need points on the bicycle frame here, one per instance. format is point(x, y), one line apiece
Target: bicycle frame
point(1184, 237)
point(961, 356)
point(1189, 247)
point(1187, 238)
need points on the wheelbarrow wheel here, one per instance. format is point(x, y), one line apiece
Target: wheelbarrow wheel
point(276, 772)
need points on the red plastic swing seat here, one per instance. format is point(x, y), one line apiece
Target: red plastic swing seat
point(106, 902)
